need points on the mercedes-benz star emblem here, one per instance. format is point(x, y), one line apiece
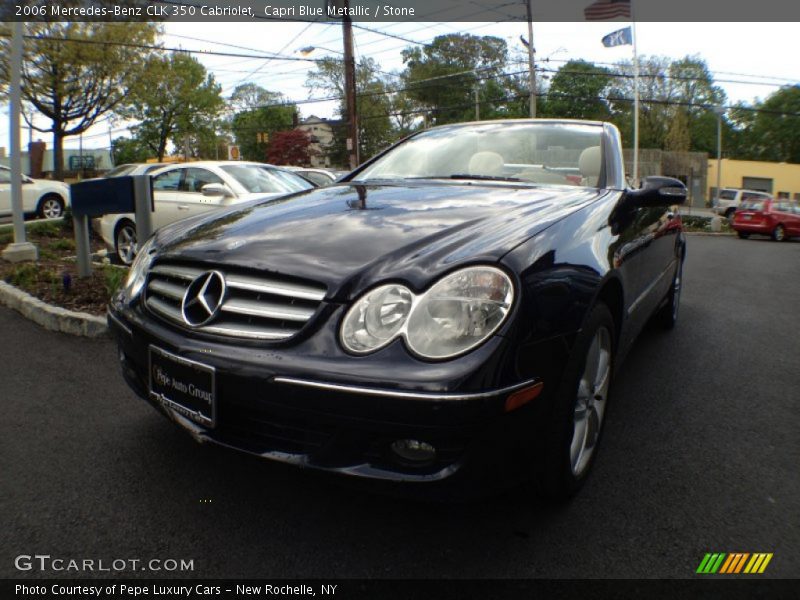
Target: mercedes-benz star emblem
point(203, 298)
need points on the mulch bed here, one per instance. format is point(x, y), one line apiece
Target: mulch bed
point(54, 277)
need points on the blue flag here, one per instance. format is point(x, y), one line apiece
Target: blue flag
point(621, 37)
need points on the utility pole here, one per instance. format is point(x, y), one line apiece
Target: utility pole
point(531, 62)
point(477, 103)
point(350, 88)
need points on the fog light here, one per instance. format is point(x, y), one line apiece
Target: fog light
point(414, 451)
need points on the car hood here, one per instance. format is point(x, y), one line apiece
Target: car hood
point(349, 236)
point(52, 184)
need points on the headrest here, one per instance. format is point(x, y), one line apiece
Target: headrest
point(589, 162)
point(486, 163)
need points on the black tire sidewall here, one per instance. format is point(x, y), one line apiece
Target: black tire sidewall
point(556, 482)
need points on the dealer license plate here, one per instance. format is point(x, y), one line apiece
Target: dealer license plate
point(183, 385)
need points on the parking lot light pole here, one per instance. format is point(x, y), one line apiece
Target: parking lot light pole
point(20, 250)
point(719, 111)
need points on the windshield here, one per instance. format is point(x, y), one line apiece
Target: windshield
point(120, 171)
point(544, 153)
point(756, 205)
point(257, 179)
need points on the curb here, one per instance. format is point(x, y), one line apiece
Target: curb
point(707, 233)
point(51, 317)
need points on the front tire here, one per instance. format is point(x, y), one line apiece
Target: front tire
point(50, 207)
point(779, 233)
point(125, 244)
point(743, 234)
point(729, 214)
point(667, 315)
point(579, 407)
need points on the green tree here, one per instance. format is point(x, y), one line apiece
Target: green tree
point(775, 128)
point(177, 101)
point(129, 150)
point(249, 127)
point(247, 96)
point(373, 104)
point(665, 88)
point(75, 73)
point(577, 91)
point(443, 75)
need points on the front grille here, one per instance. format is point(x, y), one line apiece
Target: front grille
point(255, 307)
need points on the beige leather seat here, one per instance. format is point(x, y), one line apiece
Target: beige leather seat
point(486, 163)
point(589, 164)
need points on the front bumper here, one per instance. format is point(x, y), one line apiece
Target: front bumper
point(341, 423)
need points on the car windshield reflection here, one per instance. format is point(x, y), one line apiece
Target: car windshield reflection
point(547, 153)
point(256, 179)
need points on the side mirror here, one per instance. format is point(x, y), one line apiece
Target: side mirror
point(657, 191)
point(26, 179)
point(216, 189)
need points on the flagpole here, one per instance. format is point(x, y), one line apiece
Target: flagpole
point(635, 102)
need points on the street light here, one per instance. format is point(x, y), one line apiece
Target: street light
point(309, 49)
point(719, 111)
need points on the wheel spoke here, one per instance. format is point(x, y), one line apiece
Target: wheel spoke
point(590, 401)
point(592, 363)
point(578, 444)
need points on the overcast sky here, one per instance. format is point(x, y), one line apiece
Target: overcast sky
point(762, 56)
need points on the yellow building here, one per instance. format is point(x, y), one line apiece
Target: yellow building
point(779, 179)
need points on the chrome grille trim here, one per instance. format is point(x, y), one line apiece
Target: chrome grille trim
point(266, 286)
point(267, 310)
point(255, 308)
point(168, 289)
point(187, 273)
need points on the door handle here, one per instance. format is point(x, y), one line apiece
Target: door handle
point(182, 207)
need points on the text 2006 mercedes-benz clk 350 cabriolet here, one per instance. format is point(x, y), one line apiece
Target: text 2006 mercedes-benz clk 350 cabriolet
point(452, 310)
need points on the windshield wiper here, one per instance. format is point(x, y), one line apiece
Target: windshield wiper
point(482, 177)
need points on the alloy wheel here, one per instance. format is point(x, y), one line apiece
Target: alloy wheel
point(51, 208)
point(590, 404)
point(126, 244)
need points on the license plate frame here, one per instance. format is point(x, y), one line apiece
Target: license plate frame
point(182, 385)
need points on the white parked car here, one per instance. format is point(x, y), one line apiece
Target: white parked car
point(187, 189)
point(41, 197)
point(134, 169)
point(731, 199)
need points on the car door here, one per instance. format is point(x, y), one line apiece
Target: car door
point(645, 256)
point(165, 190)
point(190, 200)
point(5, 191)
point(792, 219)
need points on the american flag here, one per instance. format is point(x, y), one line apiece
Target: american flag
point(607, 9)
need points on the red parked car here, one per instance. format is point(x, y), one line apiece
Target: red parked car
point(779, 219)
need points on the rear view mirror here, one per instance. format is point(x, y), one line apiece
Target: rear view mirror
point(657, 191)
point(216, 189)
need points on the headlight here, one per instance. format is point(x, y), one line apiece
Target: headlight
point(138, 272)
point(376, 318)
point(455, 315)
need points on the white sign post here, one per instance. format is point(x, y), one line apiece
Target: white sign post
point(20, 250)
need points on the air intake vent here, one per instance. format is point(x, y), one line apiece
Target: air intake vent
point(253, 307)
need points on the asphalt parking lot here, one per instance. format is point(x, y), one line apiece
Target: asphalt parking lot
point(700, 454)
